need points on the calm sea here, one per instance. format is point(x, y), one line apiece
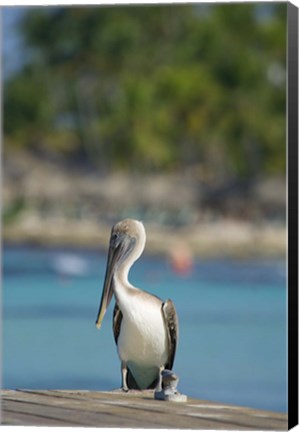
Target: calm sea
point(232, 317)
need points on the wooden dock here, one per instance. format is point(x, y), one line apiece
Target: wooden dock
point(129, 410)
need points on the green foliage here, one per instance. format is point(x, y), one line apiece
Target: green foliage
point(154, 87)
point(13, 211)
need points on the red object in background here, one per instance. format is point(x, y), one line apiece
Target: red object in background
point(181, 259)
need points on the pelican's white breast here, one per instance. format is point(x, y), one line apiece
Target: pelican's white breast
point(143, 337)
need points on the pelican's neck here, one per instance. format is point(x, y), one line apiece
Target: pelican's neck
point(122, 273)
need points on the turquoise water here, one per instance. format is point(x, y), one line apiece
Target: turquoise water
point(232, 317)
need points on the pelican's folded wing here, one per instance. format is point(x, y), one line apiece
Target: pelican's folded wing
point(172, 326)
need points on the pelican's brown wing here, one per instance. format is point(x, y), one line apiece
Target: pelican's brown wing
point(172, 326)
point(117, 319)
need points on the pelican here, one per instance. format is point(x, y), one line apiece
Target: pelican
point(145, 328)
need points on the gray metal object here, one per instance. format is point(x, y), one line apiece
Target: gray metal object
point(169, 390)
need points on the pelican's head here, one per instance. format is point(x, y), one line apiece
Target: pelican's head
point(126, 244)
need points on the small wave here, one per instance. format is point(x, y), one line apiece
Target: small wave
point(70, 265)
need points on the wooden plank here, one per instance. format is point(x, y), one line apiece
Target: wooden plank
point(131, 410)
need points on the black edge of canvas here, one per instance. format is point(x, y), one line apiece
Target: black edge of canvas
point(292, 133)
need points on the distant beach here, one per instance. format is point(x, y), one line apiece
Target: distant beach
point(47, 204)
point(226, 238)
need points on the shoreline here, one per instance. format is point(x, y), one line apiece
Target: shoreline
point(226, 239)
point(47, 203)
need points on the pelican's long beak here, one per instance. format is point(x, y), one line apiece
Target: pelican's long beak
point(107, 288)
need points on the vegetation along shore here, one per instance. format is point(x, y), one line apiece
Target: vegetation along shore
point(47, 205)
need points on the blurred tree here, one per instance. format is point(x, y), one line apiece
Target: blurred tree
point(154, 87)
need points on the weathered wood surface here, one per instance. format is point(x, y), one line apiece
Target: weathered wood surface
point(130, 410)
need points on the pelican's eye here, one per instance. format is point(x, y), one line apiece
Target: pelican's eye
point(114, 238)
